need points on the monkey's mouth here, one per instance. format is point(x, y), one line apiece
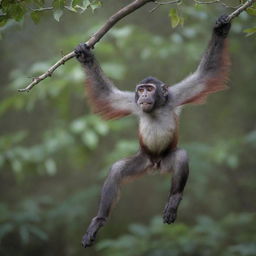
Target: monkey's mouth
point(146, 106)
point(146, 103)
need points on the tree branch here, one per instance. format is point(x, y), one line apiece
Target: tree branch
point(110, 23)
point(92, 41)
point(240, 9)
point(224, 4)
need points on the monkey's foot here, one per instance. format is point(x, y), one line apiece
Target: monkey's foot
point(92, 230)
point(169, 214)
point(88, 239)
point(170, 210)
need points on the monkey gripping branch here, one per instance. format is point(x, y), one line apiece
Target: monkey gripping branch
point(110, 23)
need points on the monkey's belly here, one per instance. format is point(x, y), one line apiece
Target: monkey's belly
point(157, 140)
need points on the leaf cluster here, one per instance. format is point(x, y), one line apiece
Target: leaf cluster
point(18, 10)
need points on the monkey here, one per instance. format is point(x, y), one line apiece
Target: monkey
point(157, 107)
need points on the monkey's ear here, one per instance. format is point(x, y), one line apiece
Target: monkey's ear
point(164, 88)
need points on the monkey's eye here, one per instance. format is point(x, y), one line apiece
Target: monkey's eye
point(150, 88)
point(141, 90)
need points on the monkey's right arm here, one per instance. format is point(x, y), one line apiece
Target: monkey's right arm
point(105, 98)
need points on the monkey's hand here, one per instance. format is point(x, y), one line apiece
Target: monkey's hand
point(222, 26)
point(83, 54)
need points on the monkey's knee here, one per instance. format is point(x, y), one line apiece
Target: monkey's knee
point(181, 161)
point(115, 172)
point(182, 156)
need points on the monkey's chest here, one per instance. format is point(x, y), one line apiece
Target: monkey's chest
point(156, 134)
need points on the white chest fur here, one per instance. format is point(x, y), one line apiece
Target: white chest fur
point(157, 130)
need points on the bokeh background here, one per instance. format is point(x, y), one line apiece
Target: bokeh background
point(55, 154)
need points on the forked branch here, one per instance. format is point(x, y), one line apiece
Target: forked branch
point(109, 24)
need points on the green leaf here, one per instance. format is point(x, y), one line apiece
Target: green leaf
point(78, 126)
point(58, 4)
point(70, 8)
point(90, 139)
point(175, 18)
point(50, 167)
point(35, 16)
point(73, 3)
point(3, 20)
point(250, 31)
point(57, 14)
point(95, 4)
point(251, 11)
point(39, 3)
point(16, 11)
point(83, 7)
point(101, 128)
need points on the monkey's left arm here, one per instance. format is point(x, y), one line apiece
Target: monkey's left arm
point(105, 99)
point(211, 73)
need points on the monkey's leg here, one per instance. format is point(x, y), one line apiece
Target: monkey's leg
point(177, 163)
point(120, 172)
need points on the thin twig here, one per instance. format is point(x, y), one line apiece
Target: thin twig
point(92, 41)
point(168, 2)
point(41, 9)
point(208, 2)
point(240, 9)
point(217, 2)
point(158, 4)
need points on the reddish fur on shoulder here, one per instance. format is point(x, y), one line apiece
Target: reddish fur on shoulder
point(216, 83)
point(102, 106)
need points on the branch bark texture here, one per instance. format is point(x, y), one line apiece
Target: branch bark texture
point(108, 25)
point(240, 9)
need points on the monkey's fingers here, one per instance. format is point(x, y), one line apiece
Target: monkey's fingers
point(83, 53)
point(222, 26)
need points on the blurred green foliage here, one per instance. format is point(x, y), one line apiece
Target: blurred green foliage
point(55, 154)
point(232, 235)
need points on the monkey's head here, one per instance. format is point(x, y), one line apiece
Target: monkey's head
point(150, 94)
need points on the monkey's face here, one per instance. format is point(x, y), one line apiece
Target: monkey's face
point(146, 96)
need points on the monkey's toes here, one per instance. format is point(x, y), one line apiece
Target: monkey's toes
point(88, 240)
point(169, 215)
